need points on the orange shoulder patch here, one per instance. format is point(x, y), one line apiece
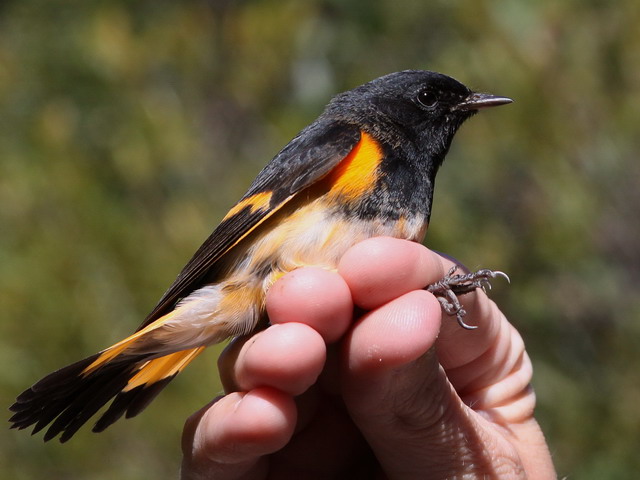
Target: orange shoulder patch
point(358, 172)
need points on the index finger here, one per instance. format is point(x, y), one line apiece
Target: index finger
point(407, 266)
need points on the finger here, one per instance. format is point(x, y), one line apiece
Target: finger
point(413, 404)
point(380, 269)
point(313, 296)
point(395, 334)
point(383, 268)
point(288, 357)
point(228, 438)
point(397, 394)
point(487, 366)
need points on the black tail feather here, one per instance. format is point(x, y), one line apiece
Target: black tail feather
point(145, 396)
point(56, 383)
point(132, 403)
point(66, 399)
point(45, 397)
point(95, 393)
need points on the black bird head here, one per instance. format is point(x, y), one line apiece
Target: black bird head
point(415, 108)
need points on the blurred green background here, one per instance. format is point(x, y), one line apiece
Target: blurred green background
point(127, 129)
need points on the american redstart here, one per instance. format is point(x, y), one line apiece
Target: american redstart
point(366, 167)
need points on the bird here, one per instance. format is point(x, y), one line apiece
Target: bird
point(365, 167)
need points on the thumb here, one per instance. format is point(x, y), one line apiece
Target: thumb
point(397, 393)
point(400, 399)
point(393, 385)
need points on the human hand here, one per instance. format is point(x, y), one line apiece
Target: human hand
point(395, 394)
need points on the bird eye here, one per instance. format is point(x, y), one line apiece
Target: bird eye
point(427, 98)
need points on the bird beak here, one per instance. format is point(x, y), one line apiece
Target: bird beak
point(476, 101)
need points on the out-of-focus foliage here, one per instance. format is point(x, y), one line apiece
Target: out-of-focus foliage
point(128, 128)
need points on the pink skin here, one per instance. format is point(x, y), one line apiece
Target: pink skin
point(396, 392)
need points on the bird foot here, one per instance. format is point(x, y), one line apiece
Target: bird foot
point(451, 286)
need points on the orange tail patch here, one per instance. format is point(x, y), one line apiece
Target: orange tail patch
point(116, 349)
point(144, 383)
point(161, 368)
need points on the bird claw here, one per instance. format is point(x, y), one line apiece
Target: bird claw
point(451, 286)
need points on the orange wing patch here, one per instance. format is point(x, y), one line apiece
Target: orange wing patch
point(259, 201)
point(358, 172)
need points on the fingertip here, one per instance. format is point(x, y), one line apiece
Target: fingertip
point(266, 415)
point(395, 334)
point(288, 357)
point(242, 427)
point(313, 296)
point(380, 269)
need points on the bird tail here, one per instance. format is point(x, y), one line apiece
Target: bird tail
point(129, 371)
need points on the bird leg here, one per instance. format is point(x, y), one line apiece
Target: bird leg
point(451, 286)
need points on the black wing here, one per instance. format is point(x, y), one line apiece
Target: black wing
point(313, 153)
